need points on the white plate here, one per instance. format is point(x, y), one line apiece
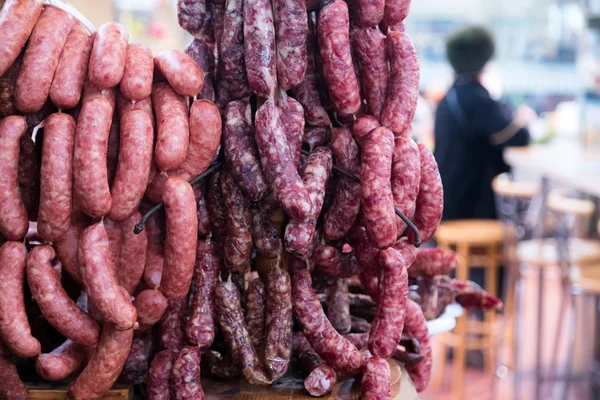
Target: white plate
point(445, 322)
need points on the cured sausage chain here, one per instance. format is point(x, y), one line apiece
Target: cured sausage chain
point(154, 257)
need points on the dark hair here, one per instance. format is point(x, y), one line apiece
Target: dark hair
point(469, 49)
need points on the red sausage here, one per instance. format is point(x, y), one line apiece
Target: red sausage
point(330, 262)
point(181, 238)
point(136, 83)
point(99, 280)
point(377, 198)
point(132, 253)
point(201, 212)
point(11, 385)
point(278, 345)
point(203, 54)
point(56, 177)
point(56, 305)
point(109, 52)
point(321, 377)
point(264, 234)
point(338, 306)
point(136, 366)
point(473, 297)
point(71, 70)
point(15, 331)
point(104, 366)
point(395, 12)
point(370, 12)
point(155, 251)
point(259, 47)
point(403, 85)
point(13, 215)
point(292, 118)
point(369, 45)
point(362, 128)
point(376, 380)
point(172, 139)
point(194, 17)
point(172, 325)
point(7, 88)
point(41, 58)
point(433, 261)
point(291, 22)
point(62, 361)
point(66, 246)
point(185, 375)
point(255, 311)
point(17, 19)
point(406, 176)
point(159, 375)
point(135, 156)
point(150, 305)
point(430, 200)
point(415, 326)
point(315, 136)
point(237, 248)
point(181, 71)
point(334, 42)
point(387, 325)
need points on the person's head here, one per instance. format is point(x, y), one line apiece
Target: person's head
point(469, 49)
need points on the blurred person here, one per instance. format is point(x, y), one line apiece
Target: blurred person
point(472, 129)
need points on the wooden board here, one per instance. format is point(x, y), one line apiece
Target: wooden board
point(54, 391)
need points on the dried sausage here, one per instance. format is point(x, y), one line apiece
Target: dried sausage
point(366, 253)
point(376, 380)
point(342, 213)
point(377, 198)
point(172, 327)
point(259, 47)
point(278, 345)
point(472, 297)
point(224, 367)
point(136, 366)
point(11, 385)
point(15, 331)
point(299, 235)
point(200, 329)
point(407, 250)
point(406, 176)
point(415, 326)
point(13, 215)
point(159, 375)
point(369, 45)
point(71, 71)
point(338, 306)
point(238, 240)
point(363, 126)
point(433, 261)
point(203, 54)
point(336, 351)
point(173, 134)
point(359, 340)
point(278, 165)
point(264, 234)
point(255, 311)
point(214, 204)
point(185, 375)
point(99, 280)
point(291, 22)
point(201, 212)
point(321, 377)
point(181, 238)
point(334, 43)
point(194, 17)
point(386, 328)
point(109, 52)
point(240, 150)
point(136, 83)
point(150, 305)
point(61, 362)
point(403, 84)
point(330, 262)
point(370, 12)
point(181, 71)
point(41, 58)
point(56, 305)
point(104, 366)
point(430, 200)
point(292, 118)
point(17, 20)
point(395, 12)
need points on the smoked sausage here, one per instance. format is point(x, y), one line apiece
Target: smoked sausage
point(237, 248)
point(430, 200)
point(278, 346)
point(255, 311)
point(292, 118)
point(291, 23)
point(369, 45)
point(406, 177)
point(185, 375)
point(259, 47)
point(159, 375)
point(172, 326)
point(203, 54)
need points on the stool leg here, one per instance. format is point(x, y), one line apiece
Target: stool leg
point(462, 273)
point(517, 334)
point(571, 345)
point(566, 298)
point(540, 336)
point(491, 284)
point(439, 361)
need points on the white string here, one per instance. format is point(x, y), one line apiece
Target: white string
point(74, 12)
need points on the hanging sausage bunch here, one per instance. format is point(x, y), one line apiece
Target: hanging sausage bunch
point(311, 104)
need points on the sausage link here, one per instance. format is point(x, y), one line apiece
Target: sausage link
point(217, 8)
point(406, 176)
point(292, 118)
point(395, 12)
point(386, 328)
point(264, 234)
point(172, 327)
point(181, 238)
point(7, 88)
point(71, 71)
point(113, 233)
point(173, 134)
point(433, 261)
point(202, 53)
point(259, 47)
point(104, 366)
point(132, 253)
point(370, 12)
point(109, 52)
point(61, 362)
point(159, 375)
point(334, 43)
point(135, 157)
point(415, 326)
point(363, 126)
point(15, 331)
point(430, 200)
point(214, 204)
point(55, 304)
point(56, 179)
point(17, 20)
point(359, 340)
point(255, 311)
point(342, 213)
point(278, 165)
point(336, 351)
point(185, 375)
point(330, 262)
point(366, 253)
point(201, 212)
point(315, 136)
point(41, 58)
point(338, 306)
point(403, 85)
point(278, 346)
point(473, 297)
point(299, 235)
point(407, 250)
point(136, 366)
point(99, 280)
point(321, 377)
point(291, 23)
point(240, 150)
point(200, 329)
point(13, 215)
point(155, 252)
point(369, 45)
point(11, 385)
point(376, 380)
point(181, 71)
point(136, 83)
point(228, 310)
point(150, 305)
point(195, 17)
point(67, 245)
point(238, 241)
point(377, 198)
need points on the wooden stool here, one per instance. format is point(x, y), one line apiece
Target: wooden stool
point(478, 243)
